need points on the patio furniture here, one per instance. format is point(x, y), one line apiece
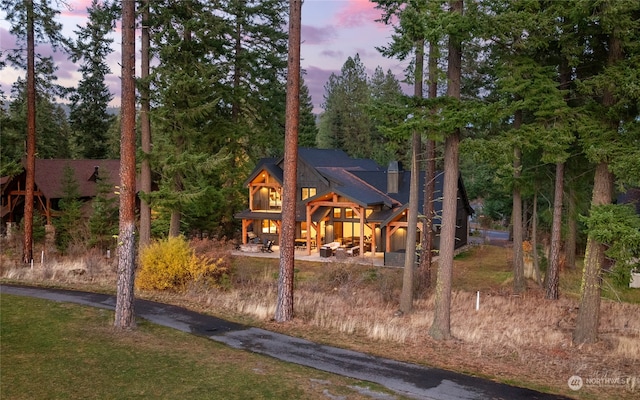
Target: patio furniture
point(266, 248)
point(353, 251)
point(325, 252)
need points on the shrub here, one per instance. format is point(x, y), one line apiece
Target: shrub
point(172, 264)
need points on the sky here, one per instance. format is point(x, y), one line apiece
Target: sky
point(332, 31)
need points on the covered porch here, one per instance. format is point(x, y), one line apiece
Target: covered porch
point(375, 259)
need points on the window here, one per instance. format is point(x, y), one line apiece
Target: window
point(336, 213)
point(269, 226)
point(308, 192)
point(275, 199)
point(348, 213)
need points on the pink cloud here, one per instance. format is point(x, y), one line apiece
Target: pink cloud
point(358, 13)
point(76, 9)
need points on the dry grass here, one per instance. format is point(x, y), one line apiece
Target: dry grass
point(524, 340)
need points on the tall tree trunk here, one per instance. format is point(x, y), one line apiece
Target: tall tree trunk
point(572, 230)
point(284, 306)
point(588, 319)
point(145, 129)
point(534, 240)
point(553, 271)
point(441, 327)
point(426, 258)
point(589, 313)
point(124, 315)
point(178, 187)
point(174, 223)
point(27, 253)
point(516, 217)
point(406, 297)
point(235, 106)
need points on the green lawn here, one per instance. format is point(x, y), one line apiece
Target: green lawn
point(55, 350)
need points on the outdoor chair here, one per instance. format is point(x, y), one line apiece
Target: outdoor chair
point(266, 247)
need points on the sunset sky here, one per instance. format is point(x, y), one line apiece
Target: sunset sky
point(332, 30)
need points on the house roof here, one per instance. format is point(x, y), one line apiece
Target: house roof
point(270, 165)
point(49, 175)
point(360, 180)
point(318, 158)
point(347, 183)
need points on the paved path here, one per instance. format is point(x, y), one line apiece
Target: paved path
point(410, 380)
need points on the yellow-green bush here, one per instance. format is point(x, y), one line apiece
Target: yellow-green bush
point(166, 264)
point(172, 264)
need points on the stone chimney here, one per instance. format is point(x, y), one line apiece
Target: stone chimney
point(393, 177)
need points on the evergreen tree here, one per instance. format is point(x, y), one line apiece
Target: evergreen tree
point(284, 303)
point(124, 310)
point(190, 129)
point(103, 222)
point(308, 129)
point(69, 223)
point(52, 129)
point(346, 124)
point(219, 97)
point(386, 99)
point(609, 134)
point(89, 118)
point(31, 22)
point(257, 73)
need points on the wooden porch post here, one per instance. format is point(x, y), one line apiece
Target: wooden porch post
point(308, 238)
point(362, 214)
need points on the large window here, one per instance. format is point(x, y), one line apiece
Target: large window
point(275, 199)
point(269, 226)
point(308, 192)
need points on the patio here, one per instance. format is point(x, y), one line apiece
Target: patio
point(374, 259)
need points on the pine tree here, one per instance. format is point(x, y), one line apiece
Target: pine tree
point(441, 327)
point(69, 223)
point(89, 118)
point(284, 304)
point(386, 99)
point(52, 129)
point(308, 129)
point(189, 124)
point(103, 222)
point(345, 122)
point(31, 22)
point(124, 311)
point(610, 137)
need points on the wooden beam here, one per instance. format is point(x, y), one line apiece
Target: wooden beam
point(361, 211)
point(245, 225)
point(336, 203)
point(309, 229)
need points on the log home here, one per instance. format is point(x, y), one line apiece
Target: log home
point(350, 204)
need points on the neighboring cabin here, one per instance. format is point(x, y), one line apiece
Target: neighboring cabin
point(354, 202)
point(630, 196)
point(49, 186)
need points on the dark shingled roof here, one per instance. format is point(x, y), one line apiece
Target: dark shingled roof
point(361, 180)
point(349, 184)
point(270, 165)
point(49, 175)
point(335, 158)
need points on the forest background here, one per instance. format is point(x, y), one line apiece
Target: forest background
point(549, 98)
